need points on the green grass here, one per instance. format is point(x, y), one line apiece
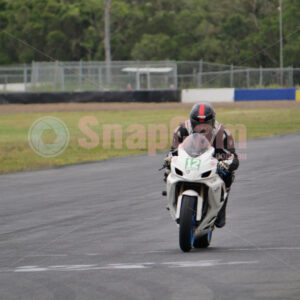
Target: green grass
point(16, 154)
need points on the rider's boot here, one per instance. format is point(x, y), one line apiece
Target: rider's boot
point(221, 217)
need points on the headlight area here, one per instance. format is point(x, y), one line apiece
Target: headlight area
point(178, 172)
point(206, 174)
point(203, 175)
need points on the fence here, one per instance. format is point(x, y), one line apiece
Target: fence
point(137, 75)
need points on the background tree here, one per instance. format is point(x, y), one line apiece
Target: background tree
point(240, 32)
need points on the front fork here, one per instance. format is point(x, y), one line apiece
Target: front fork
point(198, 203)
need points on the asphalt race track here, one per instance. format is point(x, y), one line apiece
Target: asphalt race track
point(101, 231)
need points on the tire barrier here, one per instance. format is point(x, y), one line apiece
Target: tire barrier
point(109, 96)
point(155, 96)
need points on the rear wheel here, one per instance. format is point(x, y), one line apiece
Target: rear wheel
point(186, 225)
point(203, 241)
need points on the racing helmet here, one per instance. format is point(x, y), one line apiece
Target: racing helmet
point(202, 113)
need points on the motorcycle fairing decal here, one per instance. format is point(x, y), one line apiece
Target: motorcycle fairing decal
point(192, 164)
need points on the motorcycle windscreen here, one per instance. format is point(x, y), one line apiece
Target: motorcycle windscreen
point(195, 144)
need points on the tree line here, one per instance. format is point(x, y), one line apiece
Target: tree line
point(239, 32)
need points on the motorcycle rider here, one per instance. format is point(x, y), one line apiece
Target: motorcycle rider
point(203, 120)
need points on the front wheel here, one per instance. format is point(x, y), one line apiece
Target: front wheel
point(186, 224)
point(203, 241)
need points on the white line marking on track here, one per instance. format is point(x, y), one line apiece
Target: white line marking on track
point(31, 269)
point(261, 249)
point(192, 264)
point(127, 266)
point(206, 263)
point(47, 255)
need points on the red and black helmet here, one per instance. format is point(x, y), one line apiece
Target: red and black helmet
point(202, 113)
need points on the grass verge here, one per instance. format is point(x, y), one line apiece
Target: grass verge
point(141, 131)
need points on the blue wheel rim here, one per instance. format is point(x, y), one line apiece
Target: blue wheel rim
point(208, 236)
point(192, 227)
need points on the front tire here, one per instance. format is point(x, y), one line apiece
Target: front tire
point(186, 224)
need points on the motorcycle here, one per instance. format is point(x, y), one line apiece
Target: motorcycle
point(195, 191)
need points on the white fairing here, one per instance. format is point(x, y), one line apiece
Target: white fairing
point(186, 178)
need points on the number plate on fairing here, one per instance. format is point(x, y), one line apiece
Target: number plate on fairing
point(192, 164)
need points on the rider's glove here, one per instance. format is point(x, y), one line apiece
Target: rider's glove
point(224, 167)
point(166, 174)
point(168, 160)
point(167, 166)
